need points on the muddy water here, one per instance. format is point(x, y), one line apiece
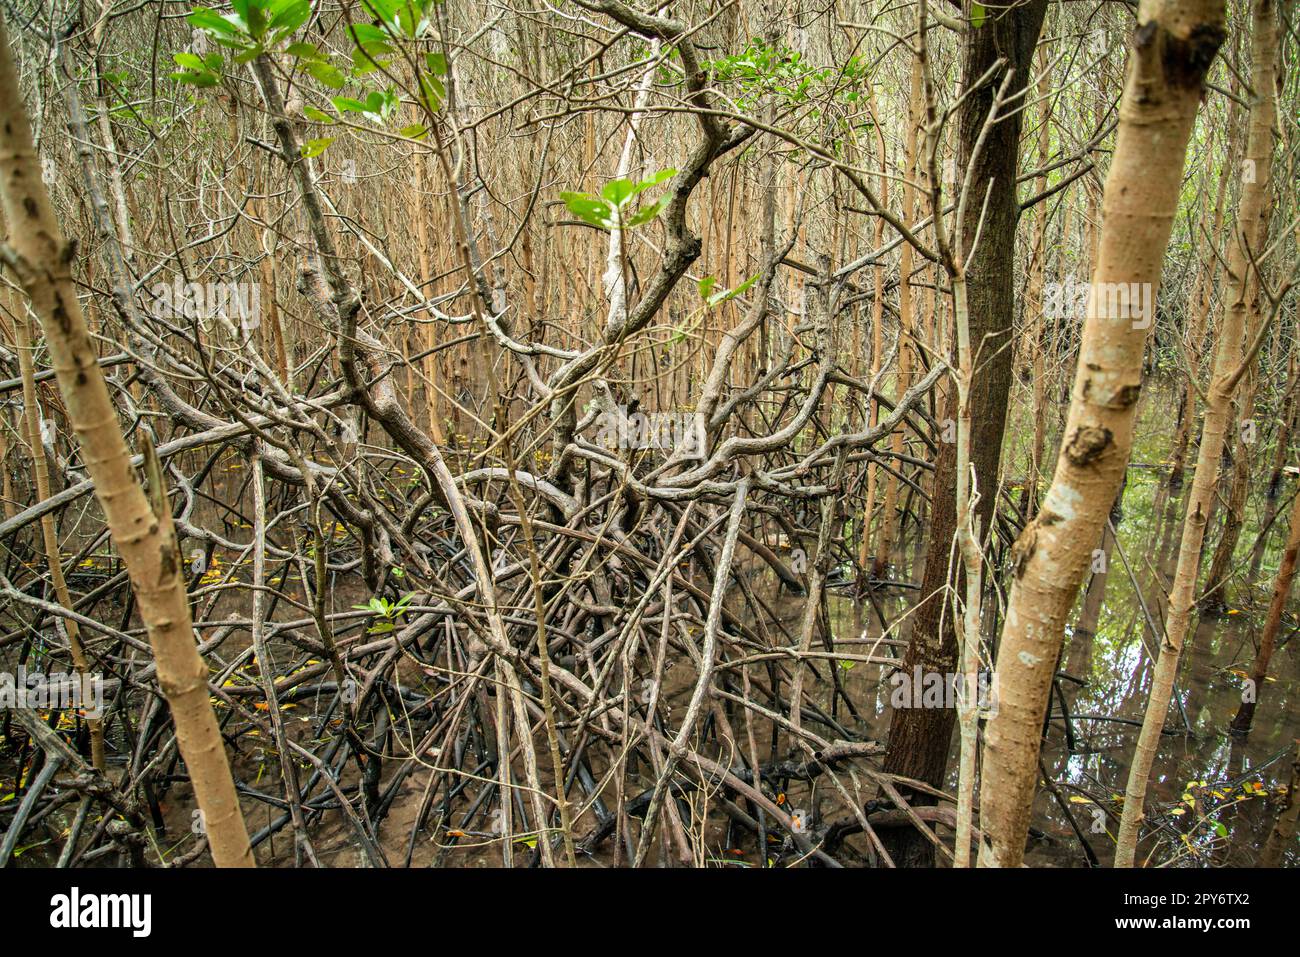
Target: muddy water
point(1213, 795)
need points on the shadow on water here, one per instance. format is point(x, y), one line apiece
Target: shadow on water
point(1212, 797)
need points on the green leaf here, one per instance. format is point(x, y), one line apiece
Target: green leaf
point(327, 74)
point(387, 9)
point(292, 15)
point(415, 131)
point(365, 33)
point(196, 79)
point(437, 63)
point(619, 191)
point(647, 213)
point(210, 20)
point(249, 54)
point(254, 15)
point(304, 51)
point(588, 208)
point(189, 61)
point(320, 116)
point(411, 21)
point(315, 147)
point(366, 59)
point(433, 90)
point(977, 15)
point(346, 104)
point(725, 294)
point(744, 285)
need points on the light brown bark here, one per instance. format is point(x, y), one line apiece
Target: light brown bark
point(1170, 53)
point(889, 517)
point(142, 531)
point(49, 535)
point(1228, 370)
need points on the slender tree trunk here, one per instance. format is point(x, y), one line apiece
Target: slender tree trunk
point(431, 374)
point(1200, 309)
point(889, 517)
point(877, 342)
point(1010, 35)
point(1283, 834)
point(1214, 601)
point(1171, 51)
point(1272, 624)
point(1228, 370)
point(141, 530)
point(1095, 594)
point(49, 535)
point(919, 737)
point(1034, 304)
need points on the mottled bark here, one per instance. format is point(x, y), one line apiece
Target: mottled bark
point(141, 530)
point(1171, 51)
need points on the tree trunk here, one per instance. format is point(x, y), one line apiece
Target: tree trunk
point(890, 521)
point(141, 530)
point(1228, 369)
point(919, 737)
point(1283, 834)
point(1272, 624)
point(1171, 51)
point(49, 534)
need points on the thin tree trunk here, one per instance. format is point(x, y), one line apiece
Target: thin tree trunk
point(1272, 624)
point(1283, 834)
point(1171, 51)
point(142, 531)
point(877, 342)
point(889, 517)
point(1228, 370)
point(1034, 304)
point(49, 535)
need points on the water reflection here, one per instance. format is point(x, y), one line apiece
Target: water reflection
point(1212, 796)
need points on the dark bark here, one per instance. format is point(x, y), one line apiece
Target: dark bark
point(919, 738)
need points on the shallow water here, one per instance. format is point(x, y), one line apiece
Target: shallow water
point(1212, 794)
